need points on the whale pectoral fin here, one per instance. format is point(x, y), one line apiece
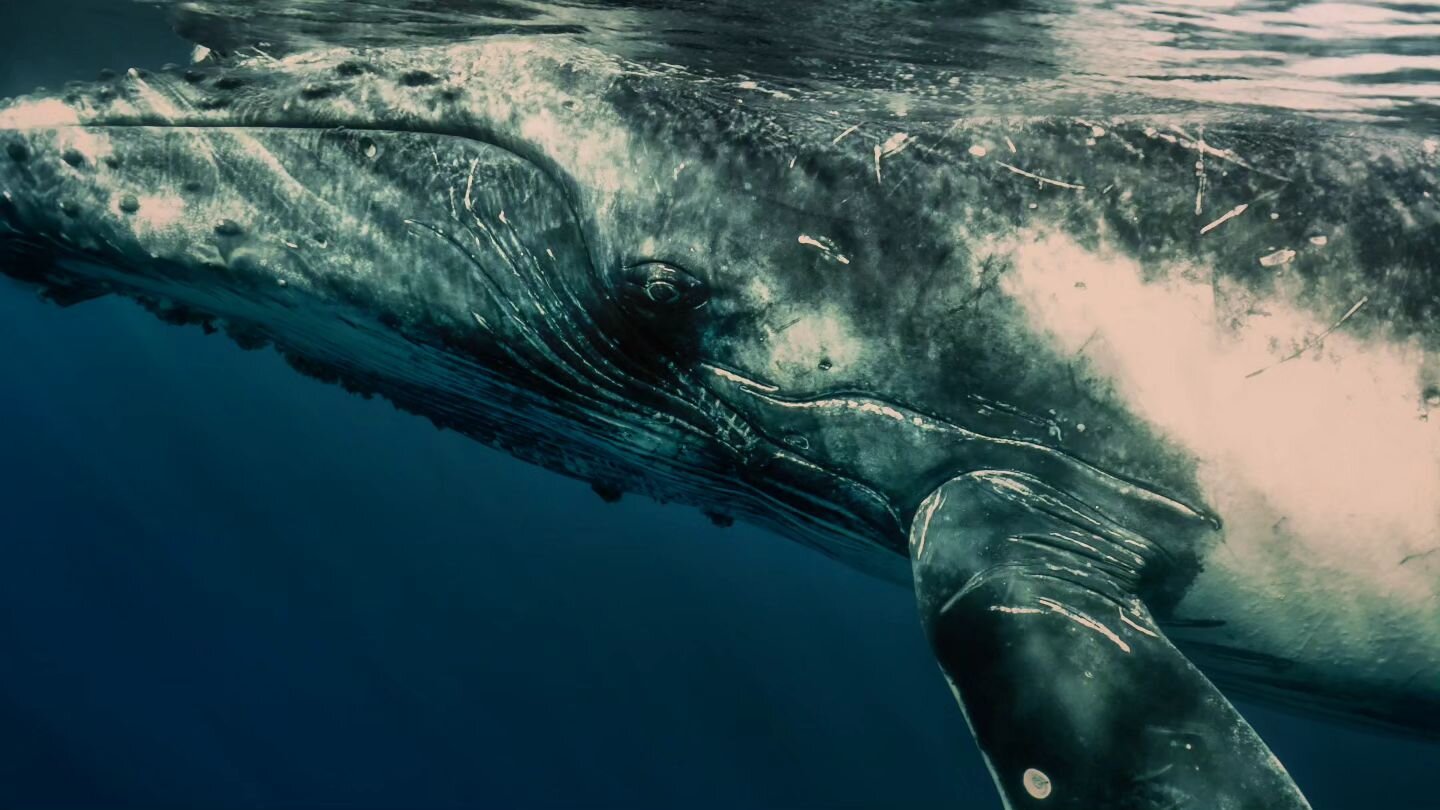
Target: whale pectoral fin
point(1075, 697)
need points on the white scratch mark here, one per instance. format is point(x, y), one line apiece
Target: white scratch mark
point(746, 382)
point(1279, 257)
point(932, 505)
point(1147, 631)
point(1226, 217)
point(825, 246)
point(1200, 177)
point(893, 145)
point(1227, 155)
point(1085, 621)
point(1315, 341)
point(470, 184)
point(1039, 179)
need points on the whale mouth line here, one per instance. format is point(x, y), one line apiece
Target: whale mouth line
point(486, 138)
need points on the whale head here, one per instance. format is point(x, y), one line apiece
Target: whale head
point(591, 267)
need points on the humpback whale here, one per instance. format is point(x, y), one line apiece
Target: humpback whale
point(1140, 406)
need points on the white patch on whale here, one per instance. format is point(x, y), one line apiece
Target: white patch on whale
point(157, 212)
point(44, 114)
point(91, 143)
point(1037, 784)
point(826, 333)
point(1301, 462)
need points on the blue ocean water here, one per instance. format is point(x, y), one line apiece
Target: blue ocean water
point(226, 585)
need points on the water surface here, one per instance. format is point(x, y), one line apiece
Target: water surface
point(1352, 61)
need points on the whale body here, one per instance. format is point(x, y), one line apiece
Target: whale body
point(1138, 405)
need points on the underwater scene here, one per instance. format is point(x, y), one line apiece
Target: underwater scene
point(630, 403)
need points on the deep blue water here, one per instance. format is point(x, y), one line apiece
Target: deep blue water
point(223, 585)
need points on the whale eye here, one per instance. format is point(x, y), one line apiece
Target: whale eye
point(661, 291)
point(660, 287)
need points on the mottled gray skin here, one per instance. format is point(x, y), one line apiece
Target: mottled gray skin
point(681, 288)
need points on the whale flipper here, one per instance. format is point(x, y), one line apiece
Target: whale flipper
point(1075, 697)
